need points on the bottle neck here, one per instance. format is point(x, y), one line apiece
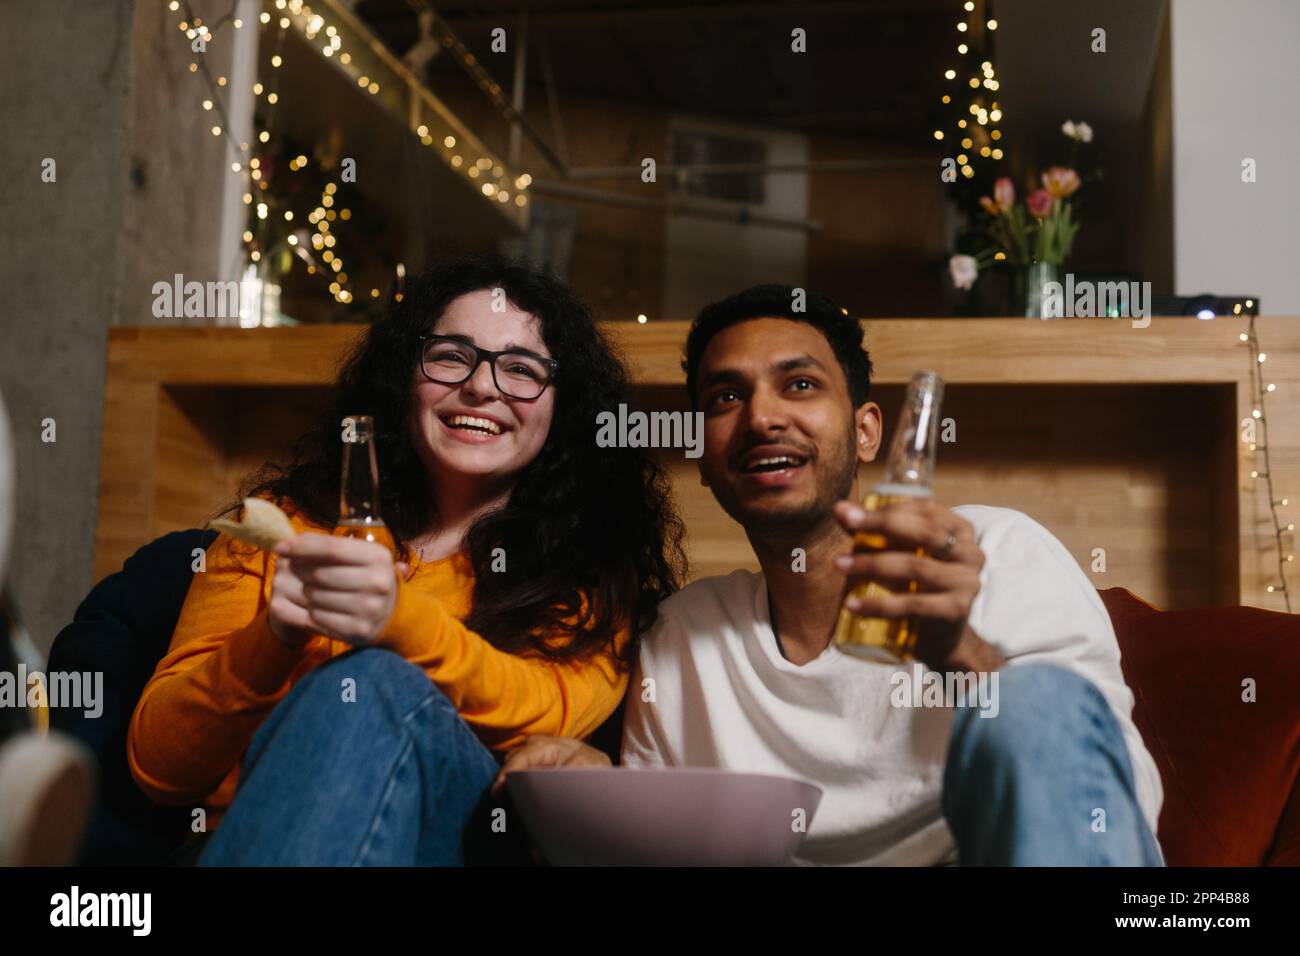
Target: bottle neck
point(359, 494)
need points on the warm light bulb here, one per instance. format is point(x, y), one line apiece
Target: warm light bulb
point(992, 24)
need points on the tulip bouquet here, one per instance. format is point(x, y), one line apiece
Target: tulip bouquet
point(1039, 230)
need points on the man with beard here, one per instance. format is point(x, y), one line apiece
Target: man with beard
point(746, 678)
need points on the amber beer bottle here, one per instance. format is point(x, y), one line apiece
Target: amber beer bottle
point(359, 490)
point(908, 474)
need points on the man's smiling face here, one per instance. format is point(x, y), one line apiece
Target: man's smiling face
point(781, 441)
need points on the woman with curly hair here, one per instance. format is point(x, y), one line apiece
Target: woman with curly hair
point(329, 708)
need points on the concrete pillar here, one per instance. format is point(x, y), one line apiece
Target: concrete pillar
point(102, 89)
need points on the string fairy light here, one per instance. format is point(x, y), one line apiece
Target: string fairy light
point(979, 113)
point(1260, 389)
point(296, 14)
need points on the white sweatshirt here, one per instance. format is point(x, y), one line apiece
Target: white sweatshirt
point(725, 697)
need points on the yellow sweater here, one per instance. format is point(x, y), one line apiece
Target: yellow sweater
point(225, 671)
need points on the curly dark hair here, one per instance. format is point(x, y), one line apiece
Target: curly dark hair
point(842, 331)
point(594, 542)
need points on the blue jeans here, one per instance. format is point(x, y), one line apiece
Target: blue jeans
point(1024, 788)
point(391, 778)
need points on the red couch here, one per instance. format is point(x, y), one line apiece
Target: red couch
point(1229, 766)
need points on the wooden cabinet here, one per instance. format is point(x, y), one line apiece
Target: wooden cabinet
point(1125, 443)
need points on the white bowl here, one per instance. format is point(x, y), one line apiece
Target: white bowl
point(628, 816)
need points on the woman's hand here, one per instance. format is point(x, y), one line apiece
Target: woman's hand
point(545, 751)
point(341, 587)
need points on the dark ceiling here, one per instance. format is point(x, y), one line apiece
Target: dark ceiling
point(872, 66)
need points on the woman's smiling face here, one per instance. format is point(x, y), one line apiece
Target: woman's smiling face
point(473, 429)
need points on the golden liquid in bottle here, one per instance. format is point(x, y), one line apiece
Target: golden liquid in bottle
point(366, 529)
point(878, 639)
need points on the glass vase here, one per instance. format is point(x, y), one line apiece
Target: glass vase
point(1035, 277)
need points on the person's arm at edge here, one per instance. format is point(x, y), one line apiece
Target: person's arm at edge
point(214, 687)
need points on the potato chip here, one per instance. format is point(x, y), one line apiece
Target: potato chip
point(264, 524)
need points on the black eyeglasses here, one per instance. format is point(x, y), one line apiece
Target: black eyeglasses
point(517, 373)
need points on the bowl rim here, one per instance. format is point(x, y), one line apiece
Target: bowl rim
point(663, 771)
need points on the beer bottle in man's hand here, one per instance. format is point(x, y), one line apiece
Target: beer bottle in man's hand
point(908, 474)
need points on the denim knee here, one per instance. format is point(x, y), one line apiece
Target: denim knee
point(380, 678)
point(1032, 692)
point(1039, 706)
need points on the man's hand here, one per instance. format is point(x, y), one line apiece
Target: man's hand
point(344, 588)
point(544, 751)
point(947, 578)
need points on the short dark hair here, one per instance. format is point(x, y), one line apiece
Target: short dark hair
point(842, 331)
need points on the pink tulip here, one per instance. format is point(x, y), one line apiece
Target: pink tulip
point(1060, 181)
point(1039, 203)
point(1004, 192)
